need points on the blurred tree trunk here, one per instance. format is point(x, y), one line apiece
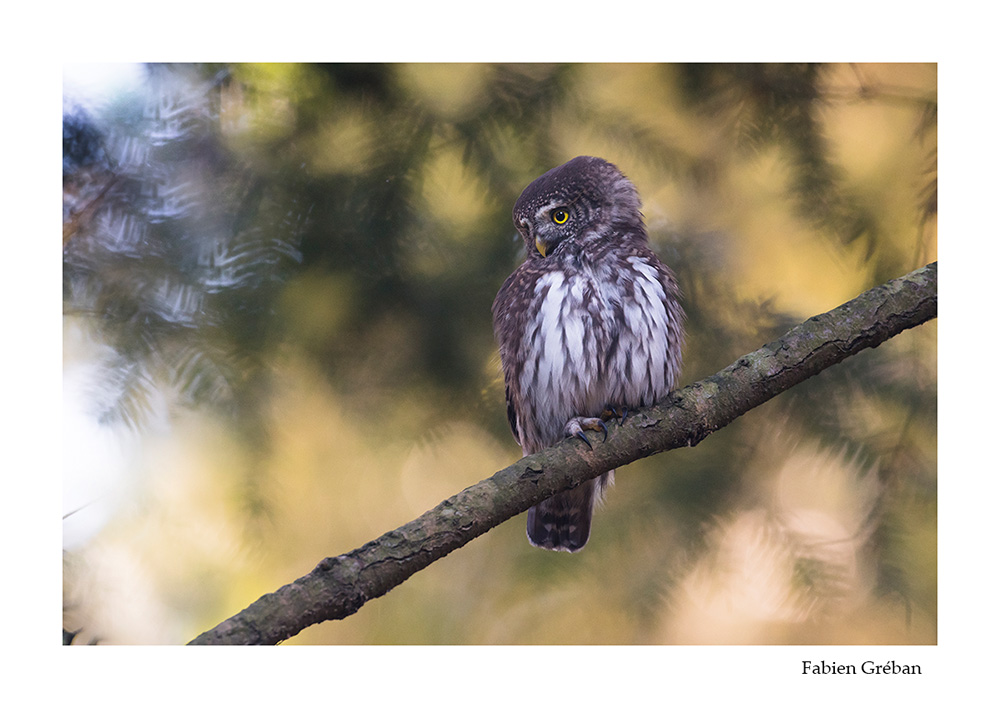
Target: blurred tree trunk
point(340, 585)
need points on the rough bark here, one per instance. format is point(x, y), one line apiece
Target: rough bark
point(340, 585)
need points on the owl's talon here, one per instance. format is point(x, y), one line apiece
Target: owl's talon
point(612, 413)
point(576, 426)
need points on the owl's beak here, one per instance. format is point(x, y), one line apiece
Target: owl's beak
point(540, 245)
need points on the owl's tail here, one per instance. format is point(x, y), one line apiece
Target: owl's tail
point(562, 522)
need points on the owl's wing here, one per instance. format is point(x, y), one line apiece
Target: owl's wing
point(667, 279)
point(511, 414)
point(510, 314)
point(675, 315)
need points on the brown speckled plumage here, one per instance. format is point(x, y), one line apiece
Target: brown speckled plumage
point(591, 320)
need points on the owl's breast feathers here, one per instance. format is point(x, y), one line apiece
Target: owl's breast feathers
point(578, 332)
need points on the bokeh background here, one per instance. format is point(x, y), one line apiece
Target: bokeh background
point(277, 346)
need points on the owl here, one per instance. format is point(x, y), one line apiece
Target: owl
point(589, 326)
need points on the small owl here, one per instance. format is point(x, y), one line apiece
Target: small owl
point(590, 325)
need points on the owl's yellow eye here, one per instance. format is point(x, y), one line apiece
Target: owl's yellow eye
point(560, 216)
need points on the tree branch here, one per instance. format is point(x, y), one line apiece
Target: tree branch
point(339, 586)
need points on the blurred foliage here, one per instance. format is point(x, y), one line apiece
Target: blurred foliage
point(281, 278)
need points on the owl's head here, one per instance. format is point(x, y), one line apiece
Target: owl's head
point(584, 199)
